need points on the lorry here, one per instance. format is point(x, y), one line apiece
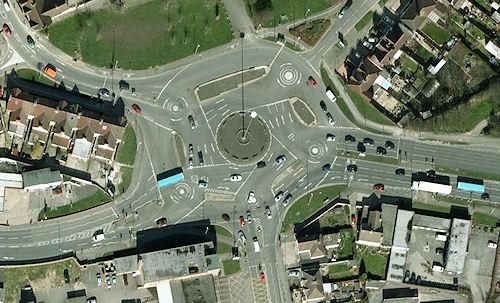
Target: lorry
point(50, 71)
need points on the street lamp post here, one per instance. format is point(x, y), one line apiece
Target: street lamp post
point(253, 115)
point(196, 50)
point(242, 35)
point(305, 15)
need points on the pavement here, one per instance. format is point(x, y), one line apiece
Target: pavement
point(160, 92)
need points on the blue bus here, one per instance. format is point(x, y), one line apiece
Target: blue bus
point(169, 177)
point(471, 184)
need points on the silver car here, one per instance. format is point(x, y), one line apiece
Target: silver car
point(242, 236)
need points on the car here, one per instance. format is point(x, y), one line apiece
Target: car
point(294, 273)
point(330, 137)
point(278, 196)
point(389, 144)
point(261, 164)
point(262, 277)
point(349, 139)
point(330, 119)
point(66, 275)
point(113, 278)
point(280, 159)
point(192, 122)
point(311, 81)
point(92, 300)
point(378, 186)
point(108, 281)
point(323, 106)
point(268, 212)
point(368, 45)
point(200, 158)
point(190, 149)
point(6, 5)
point(160, 222)
point(368, 141)
point(226, 217)
point(326, 167)
point(136, 108)
point(242, 236)
point(381, 150)
point(287, 199)
point(256, 245)
point(98, 235)
point(235, 178)
point(485, 196)
point(342, 13)
point(99, 279)
point(251, 197)
point(361, 147)
point(50, 71)
point(352, 168)
point(191, 162)
point(202, 183)
point(249, 216)
point(353, 219)
point(242, 221)
point(6, 30)
point(330, 95)
point(123, 85)
point(400, 171)
point(103, 92)
point(30, 41)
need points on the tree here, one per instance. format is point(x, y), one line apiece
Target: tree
point(362, 267)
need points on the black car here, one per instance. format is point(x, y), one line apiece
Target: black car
point(66, 275)
point(485, 196)
point(381, 150)
point(261, 164)
point(191, 121)
point(326, 167)
point(389, 144)
point(323, 106)
point(361, 147)
point(400, 171)
point(368, 141)
point(431, 173)
point(200, 158)
point(123, 85)
point(352, 168)
point(350, 139)
point(30, 40)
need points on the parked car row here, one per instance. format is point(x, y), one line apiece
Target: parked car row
point(201, 160)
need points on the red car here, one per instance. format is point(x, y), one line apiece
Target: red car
point(136, 108)
point(378, 186)
point(6, 30)
point(262, 277)
point(242, 221)
point(311, 81)
point(353, 219)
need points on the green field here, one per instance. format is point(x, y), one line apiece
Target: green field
point(96, 199)
point(310, 203)
point(364, 21)
point(39, 277)
point(484, 219)
point(375, 263)
point(128, 147)
point(231, 267)
point(436, 33)
point(223, 248)
point(33, 75)
point(147, 35)
point(367, 110)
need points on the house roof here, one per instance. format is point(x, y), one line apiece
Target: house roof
point(388, 222)
point(313, 247)
point(374, 220)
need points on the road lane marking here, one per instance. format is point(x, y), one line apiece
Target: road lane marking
point(172, 79)
point(276, 56)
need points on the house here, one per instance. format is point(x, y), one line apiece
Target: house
point(312, 284)
point(413, 13)
point(310, 250)
point(39, 13)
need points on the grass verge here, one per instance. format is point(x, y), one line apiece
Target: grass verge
point(368, 110)
point(223, 248)
point(484, 219)
point(231, 267)
point(467, 173)
point(364, 21)
point(310, 203)
point(171, 30)
point(128, 147)
point(96, 199)
point(126, 178)
point(39, 277)
point(222, 231)
point(33, 75)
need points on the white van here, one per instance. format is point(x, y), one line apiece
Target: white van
point(256, 245)
point(98, 235)
point(330, 95)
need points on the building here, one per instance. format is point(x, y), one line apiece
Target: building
point(457, 246)
point(310, 250)
point(400, 243)
point(39, 13)
point(9, 180)
point(312, 284)
point(41, 179)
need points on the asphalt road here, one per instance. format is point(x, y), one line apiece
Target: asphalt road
point(167, 97)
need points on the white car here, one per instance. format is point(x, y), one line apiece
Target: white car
point(236, 178)
point(331, 95)
point(251, 198)
point(280, 159)
point(278, 196)
point(330, 119)
point(98, 236)
point(330, 137)
point(202, 183)
point(6, 5)
point(268, 212)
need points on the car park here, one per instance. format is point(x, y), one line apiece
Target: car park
point(235, 178)
point(287, 199)
point(136, 108)
point(352, 168)
point(330, 95)
point(98, 235)
point(330, 119)
point(311, 81)
point(30, 41)
point(192, 122)
point(323, 106)
point(400, 171)
point(280, 159)
point(389, 144)
point(242, 221)
point(381, 150)
point(349, 139)
point(268, 212)
point(249, 216)
point(242, 236)
point(160, 222)
point(368, 141)
point(378, 187)
point(326, 167)
point(361, 147)
point(330, 137)
point(278, 196)
point(6, 30)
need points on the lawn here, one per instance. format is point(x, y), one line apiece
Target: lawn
point(147, 35)
point(486, 4)
point(335, 217)
point(408, 66)
point(340, 271)
point(423, 53)
point(96, 199)
point(128, 147)
point(368, 110)
point(346, 246)
point(427, 206)
point(231, 267)
point(39, 277)
point(375, 263)
point(223, 248)
point(364, 21)
point(436, 33)
point(284, 11)
point(484, 219)
point(222, 231)
point(126, 178)
point(310, 203)
point(33, 75)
